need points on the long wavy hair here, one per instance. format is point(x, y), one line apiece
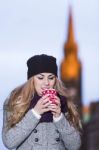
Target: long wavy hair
point(20, 99)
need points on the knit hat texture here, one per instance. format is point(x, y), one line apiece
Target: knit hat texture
point(41, 64)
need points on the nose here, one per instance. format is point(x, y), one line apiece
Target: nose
point(46, 82)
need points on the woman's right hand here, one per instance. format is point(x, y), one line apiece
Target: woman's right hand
point(42, 105)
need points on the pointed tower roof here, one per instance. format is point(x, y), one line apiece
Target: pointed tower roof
point(70, 44)
point(70, 37)
point(70, 67)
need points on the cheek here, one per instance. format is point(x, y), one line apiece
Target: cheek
point(38, 88)
point(52, 83)
point(36, 84)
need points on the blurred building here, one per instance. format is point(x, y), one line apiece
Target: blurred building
point(86, 114)
point(90, 138)
point(71, 71)
point(71, 65)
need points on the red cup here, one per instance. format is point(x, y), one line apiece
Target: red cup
point(51, 93)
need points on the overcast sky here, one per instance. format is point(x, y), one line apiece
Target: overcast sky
point(40, 26)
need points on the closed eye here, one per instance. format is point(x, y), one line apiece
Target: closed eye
point(51, 77)
point(40, 78)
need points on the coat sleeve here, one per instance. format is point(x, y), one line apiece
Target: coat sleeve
point(70, 136)
point(14, 136)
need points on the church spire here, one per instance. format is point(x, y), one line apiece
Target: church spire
point(70, 37)
point(70, 44)
point(71, 65)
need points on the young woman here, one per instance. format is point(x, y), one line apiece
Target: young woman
point(32, 121)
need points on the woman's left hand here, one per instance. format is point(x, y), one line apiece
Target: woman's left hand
point(56, 108)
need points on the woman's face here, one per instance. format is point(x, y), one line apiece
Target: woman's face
point(43, 81)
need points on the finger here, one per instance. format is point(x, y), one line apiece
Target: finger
point(57, 99)
point(54, 106)
point(45, 96)
point(57, 102)
point(46, 109)
point(45, 101)
point(54, 113)
point(47, 104)
point(53, 110)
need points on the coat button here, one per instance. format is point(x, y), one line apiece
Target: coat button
point(35, 131)
point(57, 131)
point(57, 139)
point(36, 139)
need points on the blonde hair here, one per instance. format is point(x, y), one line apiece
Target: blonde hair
point(20, 98)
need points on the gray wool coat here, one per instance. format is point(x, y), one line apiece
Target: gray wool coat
point(29, 134)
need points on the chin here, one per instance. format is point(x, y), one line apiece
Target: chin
point(40, 93)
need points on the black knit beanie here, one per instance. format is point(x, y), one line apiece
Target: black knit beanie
point(40, 64)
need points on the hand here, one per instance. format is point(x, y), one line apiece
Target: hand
point(56, 108)
point(43, 105)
